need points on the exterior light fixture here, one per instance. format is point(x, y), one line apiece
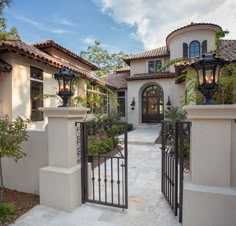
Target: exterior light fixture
point(65, 79)
point(168, 103)
point(132, 105)
point(208, 68)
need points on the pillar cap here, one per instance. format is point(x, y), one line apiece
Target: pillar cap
point(65, 112)
point(211, 111)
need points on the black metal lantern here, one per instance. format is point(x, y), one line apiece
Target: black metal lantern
point(168, 103)
point(208, 68)
point(65, 79)
point(132, 105)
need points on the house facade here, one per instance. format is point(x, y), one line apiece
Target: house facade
point(142, 89)
point(27, 73)
point(149, 88)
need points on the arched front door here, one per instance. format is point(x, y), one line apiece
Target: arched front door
point(152, 104)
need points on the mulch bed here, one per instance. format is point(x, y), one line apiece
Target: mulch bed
point(22, 201)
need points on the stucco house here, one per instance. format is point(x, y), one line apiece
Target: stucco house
point(142, 82)
point(27, 72)
point(142, 90)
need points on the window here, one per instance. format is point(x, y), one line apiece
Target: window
point(36, 89)
point(154, 66)
point(194, 49)
point(98, 100)
point(121, 103)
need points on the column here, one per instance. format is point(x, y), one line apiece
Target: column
point(60, 181)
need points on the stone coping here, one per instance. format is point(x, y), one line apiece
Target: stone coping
point(65, 112)
point(227, 111)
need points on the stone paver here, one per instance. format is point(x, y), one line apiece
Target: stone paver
point(147, 206)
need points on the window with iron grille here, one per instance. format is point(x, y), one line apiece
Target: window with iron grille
point(36, 90)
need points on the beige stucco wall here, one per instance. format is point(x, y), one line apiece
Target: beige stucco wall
point(141, 66)
point(15, 87)
point(135, 89)
point(58, 54)
point(233, 155)
point(24, 174)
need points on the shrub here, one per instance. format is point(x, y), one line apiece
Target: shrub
point(101, 146)
point(129, 127)
point(7, 212)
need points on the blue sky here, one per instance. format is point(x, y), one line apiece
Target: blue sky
point(131, 26)
point(73, 24)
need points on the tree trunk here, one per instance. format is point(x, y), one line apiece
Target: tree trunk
point(1, 182)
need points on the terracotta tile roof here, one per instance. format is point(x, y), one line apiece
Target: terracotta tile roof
point(123, 69)
point(158, 52)
point(50, 43)
point(36, 54)
point(228, 50)
point(118, 80)
point(193, 24)
point(145, 76)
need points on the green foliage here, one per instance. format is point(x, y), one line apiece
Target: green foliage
point(12, 34)
point(12, 134)
point(7, 212)
point(218, 37)
point(174, 114)
point(129, 127)
point(103, 59)
point(224, 94)
point(100, 146)
point(112, 117)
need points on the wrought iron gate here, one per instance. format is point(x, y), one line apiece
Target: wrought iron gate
point(175, 145)
point(104, 162)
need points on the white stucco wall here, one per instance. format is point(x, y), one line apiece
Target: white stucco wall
point(24, 174)
point(135, 89)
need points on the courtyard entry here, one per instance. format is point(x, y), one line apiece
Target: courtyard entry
point(104, 163)
point(152, 104)
point(175, 144)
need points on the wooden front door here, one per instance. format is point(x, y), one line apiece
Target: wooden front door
point(152, 104)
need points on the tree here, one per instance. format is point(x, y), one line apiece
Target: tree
point(108, 62)
point(12, 34)
point(12, 134)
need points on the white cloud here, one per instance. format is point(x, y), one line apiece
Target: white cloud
point(62, 21)
point(89, 40)
point(40, 25)
point(154, 20)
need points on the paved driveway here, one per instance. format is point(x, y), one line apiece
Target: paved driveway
point(146, 204)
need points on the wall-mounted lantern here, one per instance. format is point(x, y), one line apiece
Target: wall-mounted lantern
point(168, 103)
point(132, 105)
point(65, 79)
point(208, 71)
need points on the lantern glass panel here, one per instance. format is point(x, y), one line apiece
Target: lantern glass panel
point(61, 85)
point(67, 86)
point(200, 76)
point(209, 73)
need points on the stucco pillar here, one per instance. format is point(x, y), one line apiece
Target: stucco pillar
point(209, 197)
point(60, 181)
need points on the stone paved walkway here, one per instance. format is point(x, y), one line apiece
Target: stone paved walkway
point(146, 204)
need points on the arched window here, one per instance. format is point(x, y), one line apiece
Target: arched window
point(194, 49)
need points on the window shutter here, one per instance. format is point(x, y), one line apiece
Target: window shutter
point(204, 46)
point(185, 50)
